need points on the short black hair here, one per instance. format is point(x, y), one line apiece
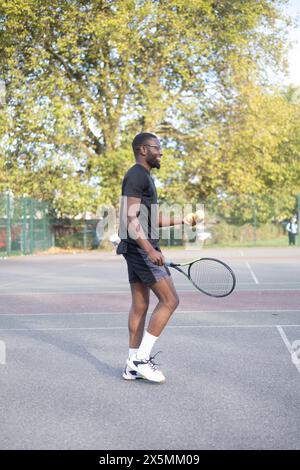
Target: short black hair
point(141, 139)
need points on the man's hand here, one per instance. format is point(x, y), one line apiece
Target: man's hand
point(156, 257)
point(194, 218)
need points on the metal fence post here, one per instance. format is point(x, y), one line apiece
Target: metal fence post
point(85, 236)
point(44, 236)
point(254, 219)
point(8, 225)
point(31, 222)
point(24, 219)
point(298, 218)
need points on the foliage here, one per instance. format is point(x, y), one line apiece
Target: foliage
point(83, 77)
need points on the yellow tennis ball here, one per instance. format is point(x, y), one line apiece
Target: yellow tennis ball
point(190, 218)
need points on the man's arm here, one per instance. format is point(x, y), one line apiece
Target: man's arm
point(189, 219)
point(136, 232)
point(166, 221)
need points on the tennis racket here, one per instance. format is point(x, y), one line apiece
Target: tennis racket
point(210, 276)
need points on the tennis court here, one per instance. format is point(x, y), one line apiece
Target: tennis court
point(230, 379)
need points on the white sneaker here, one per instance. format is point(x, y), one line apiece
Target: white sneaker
point(130, 374)
point(146, 368)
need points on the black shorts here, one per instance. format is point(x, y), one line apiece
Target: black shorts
point(141, 269)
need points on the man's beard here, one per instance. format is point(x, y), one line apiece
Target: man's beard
point(153, 162)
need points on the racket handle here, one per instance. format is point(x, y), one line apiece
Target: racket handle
point(169, 263)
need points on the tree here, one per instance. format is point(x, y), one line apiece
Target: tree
point(248, 158)
point(84, 76)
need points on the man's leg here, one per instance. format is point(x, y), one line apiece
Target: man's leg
point(137, 314)
point(168, 302)
point(136, 323)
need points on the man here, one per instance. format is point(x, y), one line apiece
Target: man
point(145, 262)
point(292, 229)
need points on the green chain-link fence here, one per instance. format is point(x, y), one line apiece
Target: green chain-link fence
point(78, 234)
point(24, 226)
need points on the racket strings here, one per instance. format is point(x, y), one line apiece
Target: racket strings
point(212, 277)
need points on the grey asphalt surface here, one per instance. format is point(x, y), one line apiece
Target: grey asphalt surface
point(231, 383)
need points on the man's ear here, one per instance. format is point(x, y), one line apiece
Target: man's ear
point(143, 150)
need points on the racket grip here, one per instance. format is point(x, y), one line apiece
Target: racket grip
point(169, 263)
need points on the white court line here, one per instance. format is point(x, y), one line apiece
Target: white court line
point(273, 282)
point(295, 289)
point(125, 312)
point(125, 327)
point(252, 273)
point(11, 283)
point(242, 253)
point(288, 345)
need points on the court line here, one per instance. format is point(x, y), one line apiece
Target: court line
point(252, 273)
point(288, 344)
point(11, 283)
point(126, 328)
point(272, 282)
point(260, 289)
point(125, 312)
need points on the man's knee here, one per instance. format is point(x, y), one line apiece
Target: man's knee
point(140, 308)
point(172, 302)
point(176, 301)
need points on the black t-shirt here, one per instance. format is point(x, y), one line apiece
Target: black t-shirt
point(138, 183)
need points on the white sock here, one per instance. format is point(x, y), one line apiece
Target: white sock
point(132, 351)
point(146, 346)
